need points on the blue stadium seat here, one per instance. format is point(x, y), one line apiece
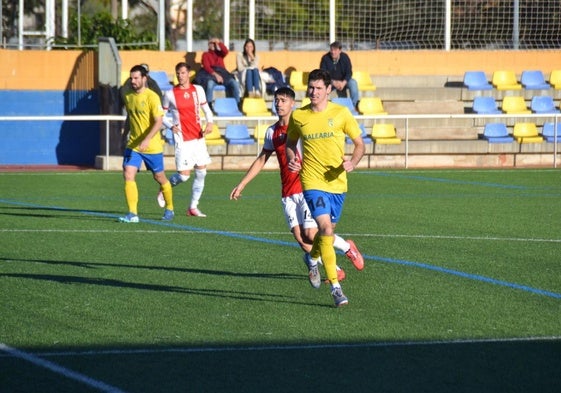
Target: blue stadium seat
point(238, 134)
point(485, 105)
point(548, 131)
point(476, 80)
point(345, 101)
point(497, 133)
point(543, 104)
point(534, 80)
point(161, 78)
point(226, 106)
point(365, 137)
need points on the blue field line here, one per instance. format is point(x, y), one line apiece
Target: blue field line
point(457, 273)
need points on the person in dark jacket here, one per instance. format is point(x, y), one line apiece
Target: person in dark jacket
point(339, 66)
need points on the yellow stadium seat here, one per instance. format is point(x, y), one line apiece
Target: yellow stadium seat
point(259, 132)
point(255, 107)
point(124, 76)
point(214, 138)
point(363, 81)
point(505, 80)
point(515, 105)
point(384, 133)
point(371, 106)
point(526, 133)
point(555, 79)
point(299, 80)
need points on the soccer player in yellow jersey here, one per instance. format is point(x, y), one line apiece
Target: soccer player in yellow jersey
point(322, 127)
point(145, 144)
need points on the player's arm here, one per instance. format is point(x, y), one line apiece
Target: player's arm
point(253, 171)
point(358, 152)
point(206, 110)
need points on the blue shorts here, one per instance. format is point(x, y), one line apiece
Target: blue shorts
point(153, 162)
point(321, 202)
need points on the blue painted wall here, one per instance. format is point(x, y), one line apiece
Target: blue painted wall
point(49, 142)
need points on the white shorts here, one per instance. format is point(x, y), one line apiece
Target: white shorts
point(191, 153)
point(296, 212)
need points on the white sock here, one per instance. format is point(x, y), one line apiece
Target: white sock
point(198, 187)
point(341, 244)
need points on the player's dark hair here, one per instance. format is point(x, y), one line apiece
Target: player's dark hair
point(317, 75)
point(181, 65)
point(285, 91)
point(139, 68)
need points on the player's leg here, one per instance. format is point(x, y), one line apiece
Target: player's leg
point(131, 163)
point(351, 251)
point(155, 163)
point(201, 159)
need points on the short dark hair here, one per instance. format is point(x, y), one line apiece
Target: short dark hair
point(336, 44)
point(181, 65)
point(285, 91)
point(319, 74)
point(139, 68)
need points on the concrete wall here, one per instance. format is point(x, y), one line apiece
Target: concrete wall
point(58, 70)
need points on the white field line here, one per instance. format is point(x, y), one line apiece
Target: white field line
point(57, 369)
point(358, 235)
point(298, 347)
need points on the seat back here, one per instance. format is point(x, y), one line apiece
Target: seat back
point(495, 130)
point(345, 101)
point(161, 78)
point(299, 80)
point(485, 105)
point(226, 106)
point(514, 104)
point(371, 106)
point(543, 104)
point(260, 131)
point(364, 81)
point(526, 133)
point(384, 133)
point(533, 79)
point(505, 80)
point(255, 107)
point(548, 130)
point(214, 137)
point(476, 80)
point(555, 79)
point(238, 134)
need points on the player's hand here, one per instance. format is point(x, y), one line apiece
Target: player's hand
point(294, 165)
point(236, 193)
point(348, 165)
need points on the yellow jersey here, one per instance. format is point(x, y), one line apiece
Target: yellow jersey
point(323, 145)
point(142, 108)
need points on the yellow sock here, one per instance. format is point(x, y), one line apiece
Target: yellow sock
point(131, 195)
point(168, 195)
point(328, 256)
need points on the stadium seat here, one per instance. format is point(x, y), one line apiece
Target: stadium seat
point(505, 80)
point(161, 78)
point(526, 133)
point(384, 133)
point(497, 133)
point(548, 131)
point(255, 107)
point(365, 137)
point(238, 134)
point(259, 132)
point(226, 106)
point(515, 105)
point(124, 76)
point(476, 80)
point(534, 80)
point(345, 101)
point(364, 81)
point(543, 104)
point(214, 138)
point(371, 106)
point(555, 79)
point(485, 105)
point(305, 101)
point(299, 80)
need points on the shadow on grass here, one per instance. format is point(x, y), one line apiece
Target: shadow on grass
point(435, 367)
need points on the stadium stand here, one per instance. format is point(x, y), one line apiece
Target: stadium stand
point(214, 138)
point(548, 132)
point(298, 80)
point(255, 107)
point(555, 79)
point(345, 101)
point(259, 132)
point(226, 106)
point(238, 134)
point(161, 78)
point(485, 105)
point(364, 81)
point(384, 133)
point(371, 106)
